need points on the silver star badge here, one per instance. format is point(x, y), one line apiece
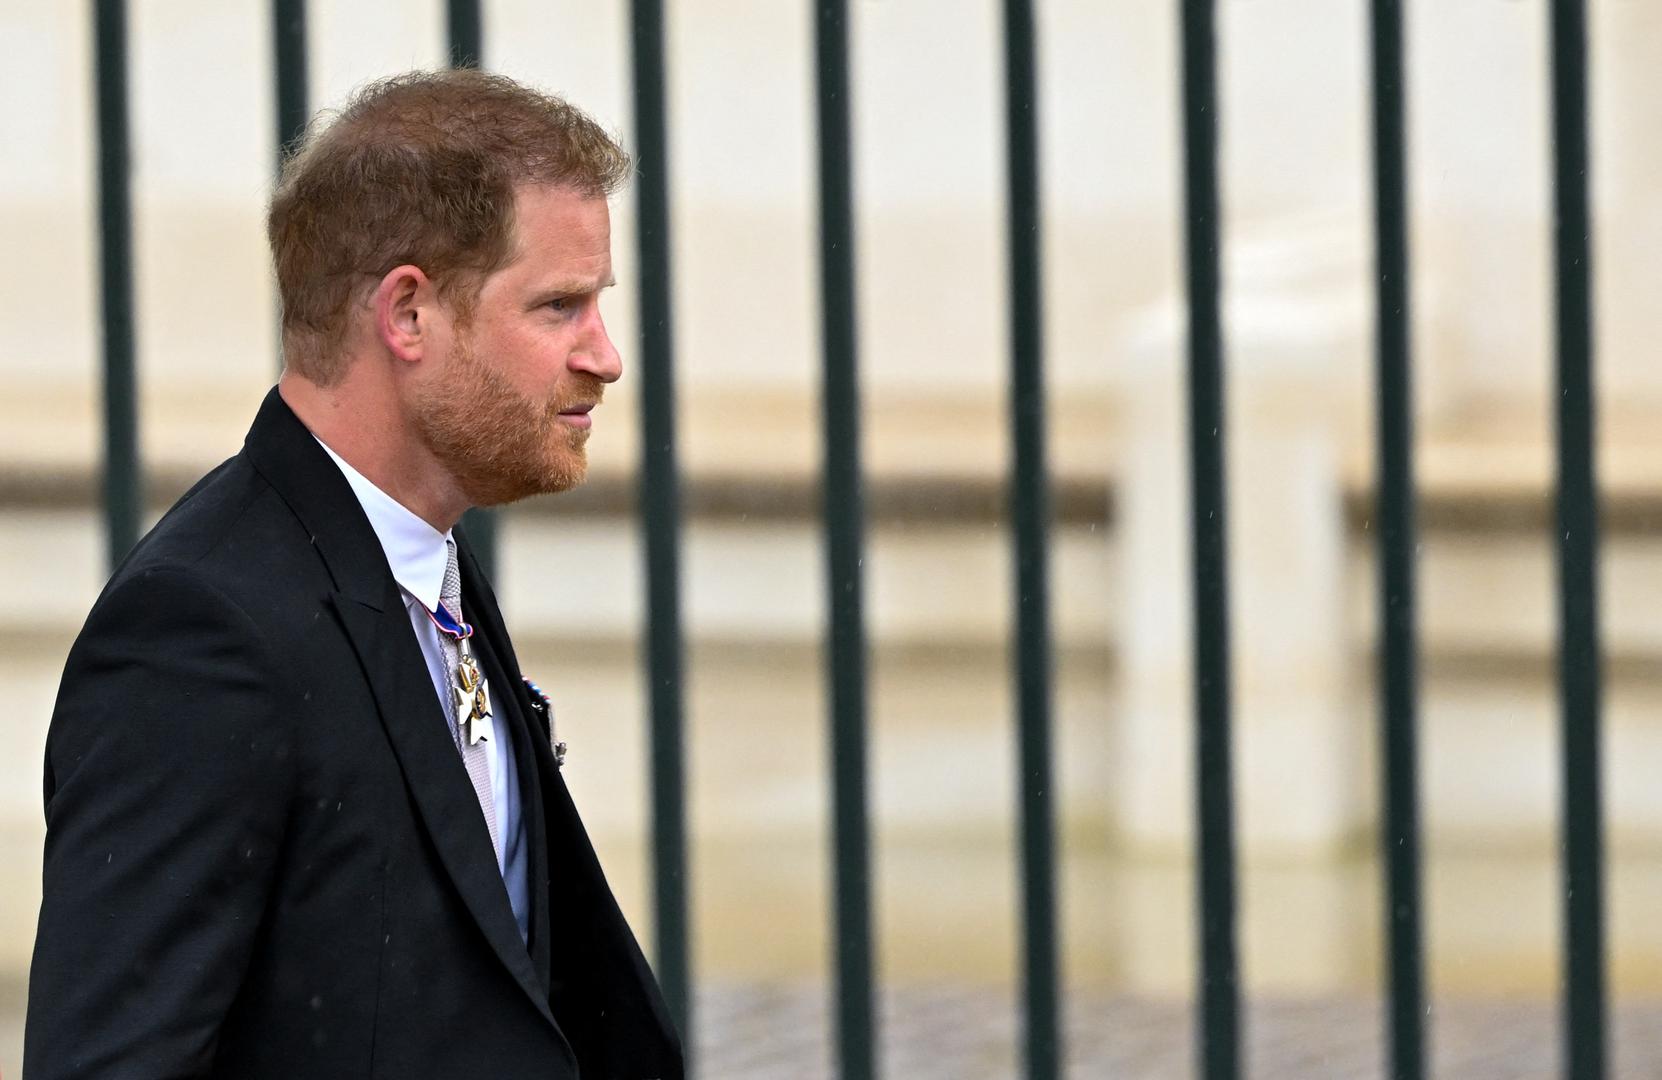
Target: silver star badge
point(472, 697)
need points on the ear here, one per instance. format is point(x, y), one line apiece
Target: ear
point(404, 306)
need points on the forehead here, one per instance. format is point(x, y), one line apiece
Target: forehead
point(557, 229)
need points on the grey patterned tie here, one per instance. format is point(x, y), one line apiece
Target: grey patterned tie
point(474, 756)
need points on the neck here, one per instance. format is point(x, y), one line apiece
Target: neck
point(361, 418)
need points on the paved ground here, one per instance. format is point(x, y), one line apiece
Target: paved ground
point(941, 1033)
point(954, 1033)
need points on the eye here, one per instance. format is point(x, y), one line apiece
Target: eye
point(559, 303)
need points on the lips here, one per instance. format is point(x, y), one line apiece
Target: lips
point(578, 415)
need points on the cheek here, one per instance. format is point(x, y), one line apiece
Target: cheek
point(513, 354)
point(541, 355)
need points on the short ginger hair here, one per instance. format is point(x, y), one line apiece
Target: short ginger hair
point(420, 168)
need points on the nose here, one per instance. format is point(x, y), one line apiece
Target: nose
point(595, 353)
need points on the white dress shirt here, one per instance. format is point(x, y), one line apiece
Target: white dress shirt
point(416, 552)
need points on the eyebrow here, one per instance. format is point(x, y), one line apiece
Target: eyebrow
point(574, 286)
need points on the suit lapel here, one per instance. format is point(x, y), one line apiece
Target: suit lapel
point(372, 613)
point(438, 784)
point(506, 697)
point(600, 985)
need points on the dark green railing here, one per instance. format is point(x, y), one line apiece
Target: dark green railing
point(288, 39)
point(465, 32)
point(123, 497)
point(1399, 646)
point(1030, 520)
point(1028, 512)
point(1578, 546)
point(1219, 994)
point(660, 507)
point(464, 24)
point(844, 514)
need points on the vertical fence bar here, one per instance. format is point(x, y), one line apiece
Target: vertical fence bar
point(465, 26)
point(1399, 676)
point(1030, 513)
point(122, 496)
point(289, 42)
point(288, 38)
point(1219, 1034)
point(844, 536)
point(1578, 548)
point(661, 516)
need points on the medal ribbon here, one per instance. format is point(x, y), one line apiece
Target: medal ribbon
point(478, 708)
point(449, 624)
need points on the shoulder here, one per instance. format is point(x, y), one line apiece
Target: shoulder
point(231, 542)
point(171, 668)
point(214, 524)
point(196, 607)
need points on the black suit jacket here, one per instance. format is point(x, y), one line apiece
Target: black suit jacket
point(263, 854)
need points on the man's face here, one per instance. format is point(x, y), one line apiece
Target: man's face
point(507, 411)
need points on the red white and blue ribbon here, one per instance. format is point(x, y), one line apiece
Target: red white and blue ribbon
point(449, 624)
point(541, 702)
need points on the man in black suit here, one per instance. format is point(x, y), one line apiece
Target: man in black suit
point(303, 815)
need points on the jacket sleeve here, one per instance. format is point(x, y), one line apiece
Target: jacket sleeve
point(168, 770)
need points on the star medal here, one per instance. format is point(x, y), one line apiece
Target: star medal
point(473, 703)
point(468, 692)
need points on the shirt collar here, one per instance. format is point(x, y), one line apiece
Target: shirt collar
point(414, 549)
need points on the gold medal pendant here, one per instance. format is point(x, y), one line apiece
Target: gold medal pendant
point(473, 703)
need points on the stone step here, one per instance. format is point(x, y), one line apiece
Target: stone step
point(938, 602)
point(1488, 599)
point(942, 749)
point(943, 801)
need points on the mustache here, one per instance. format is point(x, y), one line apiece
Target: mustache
point(584, 391)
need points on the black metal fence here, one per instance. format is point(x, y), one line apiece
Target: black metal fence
point(1218, 994)
point(1399, 654)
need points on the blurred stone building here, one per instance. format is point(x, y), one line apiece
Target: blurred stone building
point(933, 308)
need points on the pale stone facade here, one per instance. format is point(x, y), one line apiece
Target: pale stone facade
point(933, 309)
